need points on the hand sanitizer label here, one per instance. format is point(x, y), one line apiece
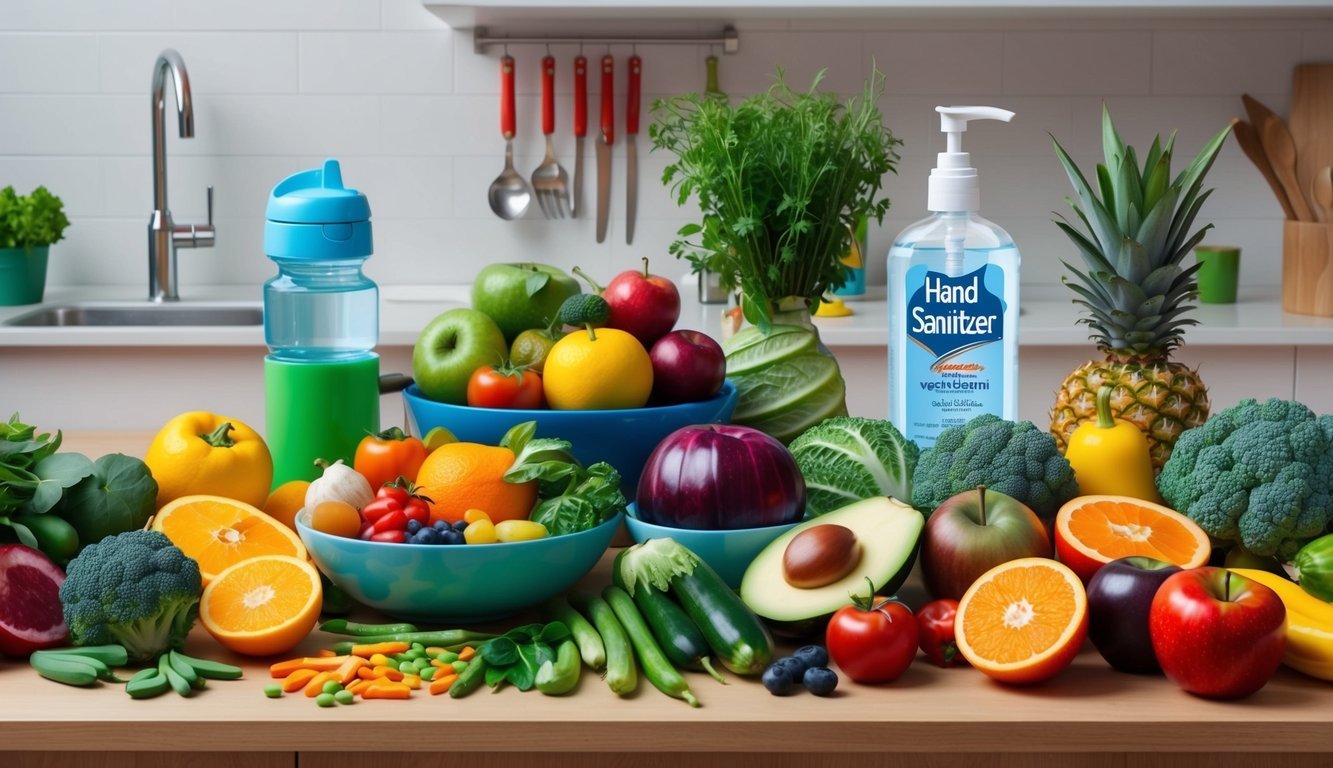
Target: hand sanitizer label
point(955, 356)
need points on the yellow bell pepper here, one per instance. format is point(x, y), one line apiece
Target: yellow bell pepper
point(203, 453)
point(1110, 456)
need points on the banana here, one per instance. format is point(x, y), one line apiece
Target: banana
point(1309, 625)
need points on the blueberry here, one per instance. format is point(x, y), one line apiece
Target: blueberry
point(407, 537)
point(413, 526)
point(777, 679)
point(812, 655)
point(454, 536)
point(460, 526)
point(441, 526)
point(428, 536)
point(795, 666)
point(820, 680)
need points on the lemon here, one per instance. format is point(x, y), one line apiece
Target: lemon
point(598, 369)
point(437, 437)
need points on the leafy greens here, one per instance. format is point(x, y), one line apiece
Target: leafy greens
point(571, 497)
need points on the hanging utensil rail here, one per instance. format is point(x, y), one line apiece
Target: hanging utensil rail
point(727, 40)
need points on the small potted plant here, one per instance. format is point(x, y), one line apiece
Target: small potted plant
point(782, 179)
point(29, 225)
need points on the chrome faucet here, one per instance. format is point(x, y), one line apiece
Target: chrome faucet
point(164, 236)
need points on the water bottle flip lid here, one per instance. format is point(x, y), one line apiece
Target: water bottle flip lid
point(317, 196)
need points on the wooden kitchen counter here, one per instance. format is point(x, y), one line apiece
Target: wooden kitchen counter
point(1089, 715)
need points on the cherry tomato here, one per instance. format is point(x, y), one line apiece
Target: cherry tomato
point(503, 386)
point(379, 508)
point(873, 642)
point(389, 537)
point(399, 494)
point(935, 633)
point(384, 457)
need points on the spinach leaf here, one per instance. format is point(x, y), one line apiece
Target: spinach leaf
point(55, 474)
point(120, 495)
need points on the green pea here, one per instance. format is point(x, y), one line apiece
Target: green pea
point(344, 697)
point(459, 666)
point(415, 653)
point(428, 673)
point(407, 668)
point(448, 657)
point(325, 700)
point(420, 664)
point(418, 647)
point(332, 687)
point(273, 691)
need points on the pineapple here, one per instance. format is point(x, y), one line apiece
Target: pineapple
point(1133, 239)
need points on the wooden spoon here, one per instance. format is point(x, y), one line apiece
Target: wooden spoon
point(1323, 190)
point(1281, 151)
point(1254, 149)
point(1310, 121)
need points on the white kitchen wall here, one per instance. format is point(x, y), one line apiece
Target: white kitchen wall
point(411, 111)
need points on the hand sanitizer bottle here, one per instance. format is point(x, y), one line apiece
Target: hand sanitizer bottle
point(953, 301)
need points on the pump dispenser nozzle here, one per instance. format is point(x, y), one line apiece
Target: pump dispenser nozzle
point(953, 182)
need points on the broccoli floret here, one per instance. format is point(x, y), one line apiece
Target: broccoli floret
point(1257, 474)
point(136, 589)
point(1014, 458)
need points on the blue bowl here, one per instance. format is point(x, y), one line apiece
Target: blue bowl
point(729, 552)
point(460, 583)
point(622, 438)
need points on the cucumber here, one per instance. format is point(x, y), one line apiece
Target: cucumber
point(585, 635)
point(679, 638)
point(731, 629)
point(70, 670)
point(1314, 567)
point(656, 667)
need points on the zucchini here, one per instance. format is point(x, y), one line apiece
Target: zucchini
point(679, 638)
point(656, 667)
point(731, 629)
point(1314, 567)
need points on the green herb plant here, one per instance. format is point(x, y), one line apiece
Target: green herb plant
point(30, 221)
point(781, 179)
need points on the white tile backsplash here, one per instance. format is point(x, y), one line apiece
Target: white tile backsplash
point(412, 112)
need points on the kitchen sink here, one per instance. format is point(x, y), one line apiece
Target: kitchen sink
point(119, 315)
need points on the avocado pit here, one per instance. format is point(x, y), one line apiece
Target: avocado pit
point(820, 555)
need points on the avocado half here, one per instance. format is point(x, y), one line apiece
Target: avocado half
point(889, 533)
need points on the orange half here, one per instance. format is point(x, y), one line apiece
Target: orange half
point(219, 532)
point(1091, 531)
point(262, 606)
point(1023, 621)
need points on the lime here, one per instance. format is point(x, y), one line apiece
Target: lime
point(531, 347)
point(437, 437)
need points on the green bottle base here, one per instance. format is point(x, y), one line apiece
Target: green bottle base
point(318, 411)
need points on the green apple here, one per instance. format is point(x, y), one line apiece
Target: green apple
point(521, 296)
point(451, 348)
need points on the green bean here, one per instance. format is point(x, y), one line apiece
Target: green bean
point(143, 674)
point(110, 655)
point(621, 676)
point(585, 635)
point(449, 639)
point(179, 684)
point(357, 629)
point(470, 679)
point(182, 668)
point(148, 686)
point(560, 677)
point(656, 666)
point(213, 670)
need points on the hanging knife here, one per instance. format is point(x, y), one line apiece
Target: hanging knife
point(580, 130)
point(631, 152)
point(604, 143)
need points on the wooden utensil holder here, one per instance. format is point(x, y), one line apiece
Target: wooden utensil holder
point(1307, 268)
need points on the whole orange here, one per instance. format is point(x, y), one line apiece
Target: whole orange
point(462, 476)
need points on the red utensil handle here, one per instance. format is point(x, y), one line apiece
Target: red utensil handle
point(632, 107)
point(581, 96)
point(507, 96)
point(548, 95)
point(608, 99)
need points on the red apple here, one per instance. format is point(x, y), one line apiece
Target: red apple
point(687, 366)
point(974, 531)
point(1120, 596)
point(645, 306)
point(1216, 633)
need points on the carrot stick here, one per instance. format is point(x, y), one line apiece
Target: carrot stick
point(386, 690)
point(297, 680)
point(442, 684)
point(317, 663)
point(325, 653)
point(467, 653)
point(366, 673)
point(412, 681)
point(389, 672)
point(316, 685)
point(357, 686)
point(347, 672)
point(370, 649)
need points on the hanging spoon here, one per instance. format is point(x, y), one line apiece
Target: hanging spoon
point(509, 194)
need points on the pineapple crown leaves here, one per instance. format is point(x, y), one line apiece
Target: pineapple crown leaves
point(1133, 238)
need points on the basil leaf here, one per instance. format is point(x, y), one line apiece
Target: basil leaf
point(500, 652)
point(563, 514)
point(516, 439)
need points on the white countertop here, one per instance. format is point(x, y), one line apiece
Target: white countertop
point(1048, 319)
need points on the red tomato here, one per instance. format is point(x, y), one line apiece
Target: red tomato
point(399, 494)
point(935, 632)
point(393, 521)
point(872, 642)
point(387, 456)
point(380, 508)
point(502, 386)
point(388, 537)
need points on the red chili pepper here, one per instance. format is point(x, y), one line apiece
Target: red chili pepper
point(935, 632)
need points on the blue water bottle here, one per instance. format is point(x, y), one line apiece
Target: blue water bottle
point(321, 323)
